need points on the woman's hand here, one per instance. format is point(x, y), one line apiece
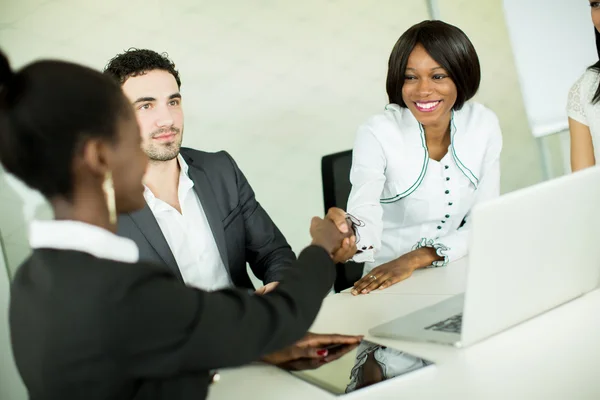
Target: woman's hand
point(384, 276)
point(348, 249)
point(334, 234)
point(390, 273)
point(312, 351)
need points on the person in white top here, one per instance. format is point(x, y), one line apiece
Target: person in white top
point(420, 166)
point(583, 109)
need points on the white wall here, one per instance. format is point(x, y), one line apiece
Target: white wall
point(278, 84)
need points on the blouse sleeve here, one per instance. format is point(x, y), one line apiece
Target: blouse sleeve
point(367, 178)
point(575, 104)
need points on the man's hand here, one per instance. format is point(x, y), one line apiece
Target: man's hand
point(269, 287)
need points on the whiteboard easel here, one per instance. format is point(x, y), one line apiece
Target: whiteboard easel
point(434, 9)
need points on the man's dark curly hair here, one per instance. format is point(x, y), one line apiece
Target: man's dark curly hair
point(135, 62)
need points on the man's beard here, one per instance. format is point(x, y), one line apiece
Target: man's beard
point(166, 151)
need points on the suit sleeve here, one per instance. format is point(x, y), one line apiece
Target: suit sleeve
point(267, 250)
point(166, 328)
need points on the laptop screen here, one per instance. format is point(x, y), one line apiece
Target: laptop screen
point(356, 366)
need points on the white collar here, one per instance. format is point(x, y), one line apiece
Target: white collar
point(460, 147)
point(80, 236)
point(185, 184)
point(183, 165)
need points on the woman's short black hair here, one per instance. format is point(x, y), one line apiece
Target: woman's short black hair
point(47, 111)
point(447, 45)
point(135, 62)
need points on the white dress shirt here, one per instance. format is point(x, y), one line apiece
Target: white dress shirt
point(79, 236)
point(189, 236)
point(402, 200)
point(581, 109)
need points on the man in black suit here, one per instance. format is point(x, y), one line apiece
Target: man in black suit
point(201, 218)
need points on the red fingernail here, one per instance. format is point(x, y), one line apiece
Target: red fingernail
point(322, 353)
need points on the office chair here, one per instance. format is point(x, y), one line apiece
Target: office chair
point(335, 173)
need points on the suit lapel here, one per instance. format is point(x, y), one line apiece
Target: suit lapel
point(145, 220)
point(211, 209)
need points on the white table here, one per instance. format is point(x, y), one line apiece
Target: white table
point(553, 356)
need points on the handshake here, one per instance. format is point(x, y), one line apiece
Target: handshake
point(334, 233)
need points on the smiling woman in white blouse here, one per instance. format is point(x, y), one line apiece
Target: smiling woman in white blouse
point(583, 109)
point(421, 165)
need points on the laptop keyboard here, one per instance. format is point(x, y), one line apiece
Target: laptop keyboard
point(452, 324)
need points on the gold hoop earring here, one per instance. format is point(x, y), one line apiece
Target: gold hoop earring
point(109, 192)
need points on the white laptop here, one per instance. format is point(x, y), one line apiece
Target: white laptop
point(530, 251)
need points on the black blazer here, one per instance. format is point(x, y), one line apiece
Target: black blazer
point(242, 229)
point(89, 328)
